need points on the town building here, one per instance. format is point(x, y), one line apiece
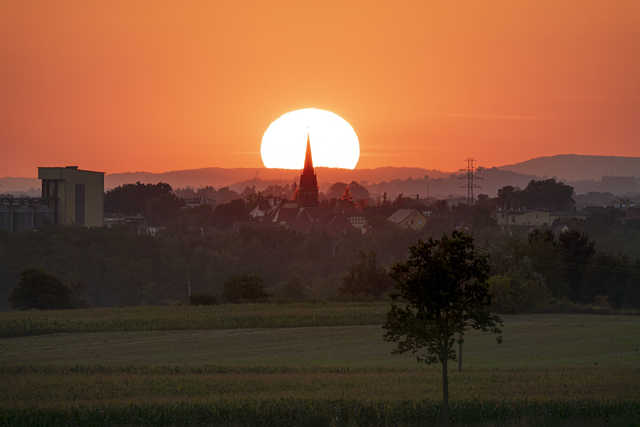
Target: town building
point(76, 197)
point(408, 218)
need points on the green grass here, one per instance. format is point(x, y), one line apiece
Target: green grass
point(530, 341)
point(162, 318)
point(308, 364)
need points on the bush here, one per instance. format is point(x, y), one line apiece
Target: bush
point(292, 290)
point(246, 287)
point(40, 290)
point(518, 295)
point(203, 299)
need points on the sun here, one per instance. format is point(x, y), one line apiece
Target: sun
point(334, 143)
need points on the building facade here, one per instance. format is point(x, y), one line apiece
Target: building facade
point(76, 197)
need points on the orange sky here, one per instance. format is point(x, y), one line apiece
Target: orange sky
point(154, 85)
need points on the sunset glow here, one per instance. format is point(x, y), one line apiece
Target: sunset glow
point(121, 86)
point(334, 143)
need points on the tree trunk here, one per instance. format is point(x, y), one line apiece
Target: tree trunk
point(444, 413)
point(460, 353)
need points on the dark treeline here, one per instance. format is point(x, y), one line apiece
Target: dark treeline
point(119, 267)
point(533, 272)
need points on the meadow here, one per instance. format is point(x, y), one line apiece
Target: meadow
point(309, 364)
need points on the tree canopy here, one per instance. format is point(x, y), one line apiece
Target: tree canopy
point(156, 202)
point(546, 194)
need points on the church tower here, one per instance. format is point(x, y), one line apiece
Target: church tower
point(307, 194)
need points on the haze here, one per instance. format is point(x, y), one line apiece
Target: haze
point(124, 85)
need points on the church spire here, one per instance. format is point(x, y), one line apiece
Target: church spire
point(307, 194)
point(308, 161)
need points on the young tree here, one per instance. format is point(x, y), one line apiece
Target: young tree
point(441, 292)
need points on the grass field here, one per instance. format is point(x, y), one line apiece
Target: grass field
point(556, 370)
point(163, 318)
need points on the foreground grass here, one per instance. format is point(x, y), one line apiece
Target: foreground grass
point(163, 318)
point(55, 387)
point(551, 370)
point(300, 412)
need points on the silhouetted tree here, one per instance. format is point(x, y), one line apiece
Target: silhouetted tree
point(156, 202)
point(245, 287)
point(576, 250)
point(366, 277)
point(442, 291)
point(546, 194)
point(336, 190)
point(228, 213)
point(358, 191)
point(544, 254)
point(40, 290)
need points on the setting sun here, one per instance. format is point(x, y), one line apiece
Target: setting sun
point(334, 143)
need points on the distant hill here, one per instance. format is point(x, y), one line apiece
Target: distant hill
point(29, 187)
point(583, 172)
point(489, 181)
point(576, 167)
point(220, 177)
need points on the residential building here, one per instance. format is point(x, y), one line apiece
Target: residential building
point(408, 218)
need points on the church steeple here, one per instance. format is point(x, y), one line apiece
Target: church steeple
point(307, 194)
point(308, 161)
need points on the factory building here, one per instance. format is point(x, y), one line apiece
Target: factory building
point(76, 197)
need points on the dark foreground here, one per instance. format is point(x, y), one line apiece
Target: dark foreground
point(293, 412)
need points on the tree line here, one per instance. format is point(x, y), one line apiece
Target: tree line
point(538, 271)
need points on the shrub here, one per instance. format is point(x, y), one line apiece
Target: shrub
point(40, 290)
point(293, 290)
point(246, 287)
point(203, 299)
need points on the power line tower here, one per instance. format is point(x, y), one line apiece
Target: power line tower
point(470, 174)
